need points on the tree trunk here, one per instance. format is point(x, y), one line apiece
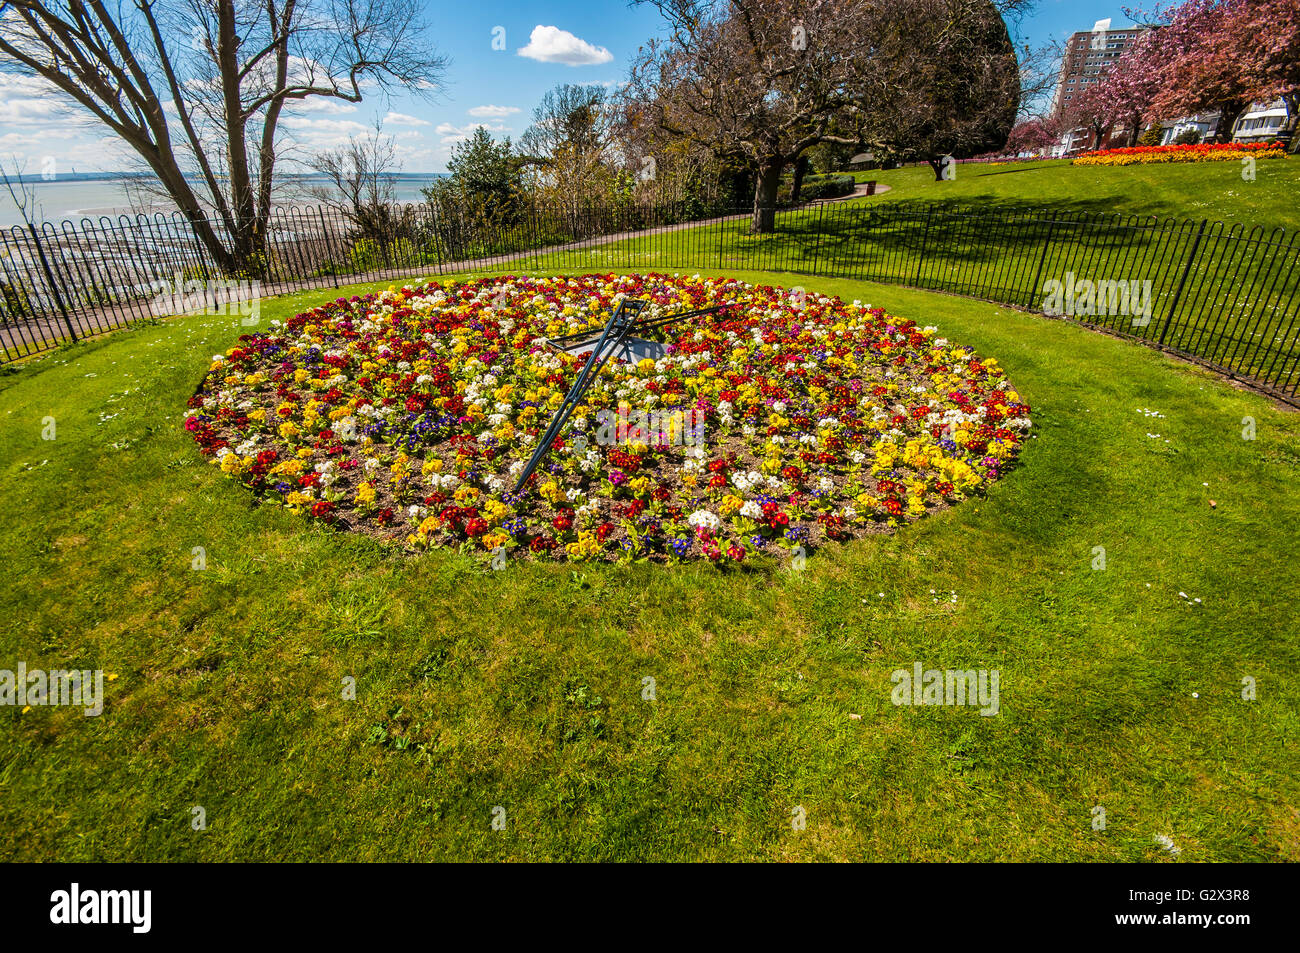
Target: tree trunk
point(763, 219)
point(1229, 112)
point(248, 238)
point(937, 166)
point(800, 169)
point(1292, 103)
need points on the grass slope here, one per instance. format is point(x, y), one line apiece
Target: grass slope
point(522, 689)
point(1194, 190)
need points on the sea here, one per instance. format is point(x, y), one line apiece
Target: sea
point(75, 196)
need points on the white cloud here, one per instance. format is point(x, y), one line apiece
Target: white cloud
point(401, 119)
point(451, 133)
point(317, 134)
point(415, 160)
point(550, 44)
point(493, 112)
point(30, 99)
point(323, 126)
point(320, 104)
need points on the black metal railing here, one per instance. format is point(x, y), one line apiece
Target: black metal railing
point(1222, 295)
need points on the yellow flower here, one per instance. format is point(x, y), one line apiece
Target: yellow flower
point(584, 547)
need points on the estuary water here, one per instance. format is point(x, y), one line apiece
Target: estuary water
point(74, 198)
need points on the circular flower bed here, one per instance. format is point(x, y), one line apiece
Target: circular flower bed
point(782, 422)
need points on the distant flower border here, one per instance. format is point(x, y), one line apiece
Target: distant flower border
point(1199, 152)
point(408, 415)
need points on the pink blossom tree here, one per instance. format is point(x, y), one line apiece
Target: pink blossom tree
point(1033, 134)
point(1220, 55)
point(1119, 96)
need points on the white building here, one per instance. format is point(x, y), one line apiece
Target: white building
point(1261, 123)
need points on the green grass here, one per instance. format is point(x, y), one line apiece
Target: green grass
point(1212, 190)
point(523, 688)
point(1221, 296)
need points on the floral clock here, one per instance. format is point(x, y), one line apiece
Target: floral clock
point(787, 420)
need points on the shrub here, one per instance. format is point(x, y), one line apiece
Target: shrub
point(821, 187)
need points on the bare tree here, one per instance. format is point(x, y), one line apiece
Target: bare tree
point(22, 193)
point(569, 142)
point(361, 182)
point(360, 175)
point(757, 81)
point(197, 87)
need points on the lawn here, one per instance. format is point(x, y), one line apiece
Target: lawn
point(1194, 190)
point(1002, 233)
point(518, 694)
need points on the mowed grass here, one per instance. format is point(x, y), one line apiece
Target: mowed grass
point(1228, 294)
point(518, 694)
point(1193, 190)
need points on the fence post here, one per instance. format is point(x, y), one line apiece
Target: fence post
point(1178, 292)
point(925, 237)
point(821, 210)
point(325, 236)
point(49, 277)
point(1042, 259)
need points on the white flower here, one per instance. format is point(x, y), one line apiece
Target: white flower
point(704, 520)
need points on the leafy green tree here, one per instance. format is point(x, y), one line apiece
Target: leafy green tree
point(482, 174)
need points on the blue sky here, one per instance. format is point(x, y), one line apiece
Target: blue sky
point(545, 43)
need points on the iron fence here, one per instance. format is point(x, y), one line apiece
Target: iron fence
point(1225, 296)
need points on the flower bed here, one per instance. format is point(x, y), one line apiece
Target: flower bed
point(1201, 152)
point(786, 421)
